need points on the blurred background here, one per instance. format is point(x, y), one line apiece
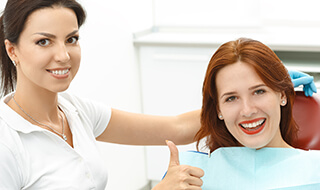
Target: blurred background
point(150, 56)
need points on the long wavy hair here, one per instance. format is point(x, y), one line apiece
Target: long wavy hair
point(269, 68)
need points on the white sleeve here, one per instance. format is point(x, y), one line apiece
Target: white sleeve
point(10, 175)
point(100, 116)
point(97, 113)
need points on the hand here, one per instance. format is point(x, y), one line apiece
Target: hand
point(180, 176)
point(300, 78)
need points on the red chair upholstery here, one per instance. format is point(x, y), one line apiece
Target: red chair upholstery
point(306, 112)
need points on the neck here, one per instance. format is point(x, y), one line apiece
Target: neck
point(42, 105)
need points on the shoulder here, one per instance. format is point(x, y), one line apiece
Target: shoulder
point(10, 165)
point(7, 154)
point(10, 140)
point(80, 104)
point(8, 136)
point(68, 99)
point(95, 115)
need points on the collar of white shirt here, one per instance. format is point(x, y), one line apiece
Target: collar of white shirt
point(18, 123)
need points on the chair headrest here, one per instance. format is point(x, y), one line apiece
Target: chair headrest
point(306, 112)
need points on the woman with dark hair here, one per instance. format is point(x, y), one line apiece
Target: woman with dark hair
point(247, 121)
point(48, 138)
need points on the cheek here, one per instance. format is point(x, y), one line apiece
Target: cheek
point(230, 110)
point(36, 57)
point(230, 115)
point(76, 59)
point(75, 53)
point(272, 105)
point(276, 112)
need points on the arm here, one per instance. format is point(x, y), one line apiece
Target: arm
point(141, 129)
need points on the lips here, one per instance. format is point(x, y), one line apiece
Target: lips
point(59, 71)
point(253, 126)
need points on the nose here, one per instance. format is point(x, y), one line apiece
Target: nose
point(62, 54)
point(248, 109)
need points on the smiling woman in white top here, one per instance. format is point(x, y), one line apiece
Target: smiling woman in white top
point(48, 138)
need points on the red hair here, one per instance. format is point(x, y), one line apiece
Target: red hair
point(271, 71)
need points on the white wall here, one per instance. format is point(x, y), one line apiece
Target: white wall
point(236, 13)
point(206, 13)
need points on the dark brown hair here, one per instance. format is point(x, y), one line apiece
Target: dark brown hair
point(12, 23)
point(272, 72)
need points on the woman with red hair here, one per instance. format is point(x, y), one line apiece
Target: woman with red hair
point(247, 122)
point(268, 70)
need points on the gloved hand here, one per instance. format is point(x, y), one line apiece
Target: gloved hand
point(299, 78)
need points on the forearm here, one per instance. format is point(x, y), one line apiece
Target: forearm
point(141, 129)
point(189, 125)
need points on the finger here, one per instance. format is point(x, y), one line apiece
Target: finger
point(306, 90)
point(310, 91)
point(302, 81)
point(313, 87)
point(194, 188)
point(174, 154)
point(297, 74)
point(196, 172)
point(195, 181)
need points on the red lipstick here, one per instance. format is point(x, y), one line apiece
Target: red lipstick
point(253, 130)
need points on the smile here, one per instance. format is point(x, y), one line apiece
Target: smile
point(253, 127)
point(59, 72)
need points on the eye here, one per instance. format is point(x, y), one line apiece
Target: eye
point(231, 99)
point(260, 91)
point(73, 40)
point(43, 42)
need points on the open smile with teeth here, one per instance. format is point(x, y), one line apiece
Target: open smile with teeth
point(59, 72)
point(253, 126)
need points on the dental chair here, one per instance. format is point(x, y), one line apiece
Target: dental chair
point(306, 112)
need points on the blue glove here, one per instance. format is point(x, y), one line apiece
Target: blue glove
point(300, 78)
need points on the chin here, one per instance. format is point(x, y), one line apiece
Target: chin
point(255, 145)
point(60, 89)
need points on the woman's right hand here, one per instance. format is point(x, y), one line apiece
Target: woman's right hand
point(178, 176)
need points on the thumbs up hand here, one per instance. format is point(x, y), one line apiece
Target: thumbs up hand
point(180, 176)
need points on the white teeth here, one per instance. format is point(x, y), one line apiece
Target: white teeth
point(60, 72)
point(253, 125)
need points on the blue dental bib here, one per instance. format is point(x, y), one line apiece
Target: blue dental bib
point(250, 169)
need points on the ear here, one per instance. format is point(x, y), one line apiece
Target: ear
point(11, 50)
point(220, 116)
point(283, 99)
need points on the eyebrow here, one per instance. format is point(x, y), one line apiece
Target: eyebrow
point(53, 36)
point(257, 86)
point(227, 94)
point(233, 92)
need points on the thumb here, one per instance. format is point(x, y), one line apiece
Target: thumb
point(174, 154)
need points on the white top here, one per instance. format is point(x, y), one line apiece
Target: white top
point(34, 158)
